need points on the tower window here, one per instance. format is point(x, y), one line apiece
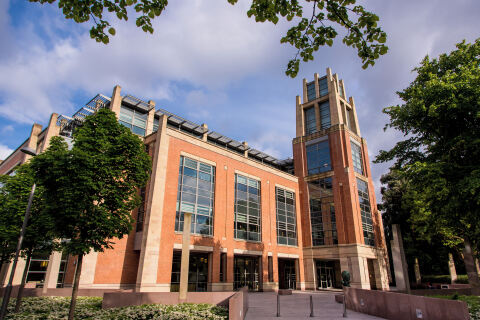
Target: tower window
point(366, 213)
point(134, 120)
point(196, 191)
point(322, 212)
point(286, 219)
point(247, 209)
point(325, 115)
point(357, 157)
point(310, 122)
point(318, 157)
point(311, 95)
point(323, 86)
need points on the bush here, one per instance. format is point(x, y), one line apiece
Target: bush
point(473, 303)
point(462, 278)
point(437, 278)
point(56, 308)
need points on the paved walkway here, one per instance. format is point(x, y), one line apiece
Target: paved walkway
point(297, 306)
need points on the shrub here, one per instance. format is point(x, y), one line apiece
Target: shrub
point(462, 278)
point(473, 303)
point(437, 278)
point(56, 308)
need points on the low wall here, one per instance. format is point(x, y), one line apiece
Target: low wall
point(123, 299)
point(442, 292)
point(390, 305)
point(238, 305)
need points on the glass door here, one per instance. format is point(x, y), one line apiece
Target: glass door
point(246, 273)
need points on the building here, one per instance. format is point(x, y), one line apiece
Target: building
point(256, 220)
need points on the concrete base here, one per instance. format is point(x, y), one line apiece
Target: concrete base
point(220, 286)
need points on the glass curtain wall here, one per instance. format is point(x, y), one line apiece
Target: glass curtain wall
point(134, 120)
point(322, 212)
point(323, 86)
point(357, 157)
point(196, 192)
point(310, 122)
point(286, 219)
point(325, 115)
point(311, 94)
point(247, 208)
point(365, 210)
point(318, 157)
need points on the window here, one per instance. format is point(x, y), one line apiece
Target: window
point(310, 121)
point(196, 191)
point(325, 115)
point(286, 219)
point(367, 222)
point(323, 86)
point(156, 122)
point(357, 157)
point(322, 212)
point(270, 269)
point(247, 208)
point(311, 91)
point(318, 157)
point(223, 267)
point(134, 120)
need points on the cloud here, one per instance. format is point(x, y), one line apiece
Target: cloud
point(4, 152)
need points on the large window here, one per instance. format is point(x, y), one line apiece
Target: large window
point(325, 115)
point(156, 122)
point(196, 191)
point(311, 91)
point(323, 86)
point(310, 122)
point(318, 157)
point(322, 212)
point(286, 219)
point(357, 157)
point(247, 208)
point(134, 120)
point(365, 210)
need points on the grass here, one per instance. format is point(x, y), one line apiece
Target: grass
point(473, 303)
point(56, 308)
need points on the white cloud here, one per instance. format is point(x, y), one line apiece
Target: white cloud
point(4, 151)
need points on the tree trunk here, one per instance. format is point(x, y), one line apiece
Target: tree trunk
point(76, 282)
point(470, 266)
point(22, 285)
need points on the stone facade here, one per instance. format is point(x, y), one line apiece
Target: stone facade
point(144, 259)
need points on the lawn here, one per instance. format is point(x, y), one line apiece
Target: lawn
point(56, 308)
point(473, 303)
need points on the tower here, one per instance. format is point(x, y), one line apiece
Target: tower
point(341, 226)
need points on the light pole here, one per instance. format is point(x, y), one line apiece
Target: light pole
point(8, 289)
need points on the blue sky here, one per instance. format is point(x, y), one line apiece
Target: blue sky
point(208, 62)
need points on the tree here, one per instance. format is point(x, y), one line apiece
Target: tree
point(91, 189)
point(440, 156)
point(307, 35)
point(39, 234)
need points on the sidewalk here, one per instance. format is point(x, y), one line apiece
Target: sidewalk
point(263, 305)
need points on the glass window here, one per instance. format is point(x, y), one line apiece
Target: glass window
point(356, 157)
point(196, 195)
point(318, 157)
point(156, 122)
point(322, 212)
point(323, 86)
point(366, 213)
point(247, 209)
point(286, 218)
point(310, 122)
point(325, 115)
point(311, 91)
point(134, 120)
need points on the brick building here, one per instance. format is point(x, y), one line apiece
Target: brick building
point(256, 220)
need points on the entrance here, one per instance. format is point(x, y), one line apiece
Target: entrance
point(286, 274)
point(197, 272)
point(325, 274)
point(371, 275)
point(246, 273)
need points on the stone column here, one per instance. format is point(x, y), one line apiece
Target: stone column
point(116, 100)
point(359, 273)
point(418, 276)
point(187, 222)
point(380, 269)
point(399, 262)
point(89, 264)
point(51, 277)
point(52, 131)
point(150, 119)
point(451, 268)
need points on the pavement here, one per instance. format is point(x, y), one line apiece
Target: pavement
point(263, 305)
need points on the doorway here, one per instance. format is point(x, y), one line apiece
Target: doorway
point(246, 273)
point(325, 274)
point(371, 274)
point(287, 277)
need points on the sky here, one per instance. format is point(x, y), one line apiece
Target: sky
point(209, 63)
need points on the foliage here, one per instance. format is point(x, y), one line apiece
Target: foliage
point(53, 308)
point(444, 278)
point(307, 35)
point(14, 194)
point(473, 303)
point(440, 156)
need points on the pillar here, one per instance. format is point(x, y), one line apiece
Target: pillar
point(152, 226)
point(380, 269)
point(418, 276)
point(116, 100)
point(359, 273)
point(89, 264)
point(52, 131)
point(205, 132)
point(150, 119)
point(51, 276)
point(184, 266)
point(451, 268)
point(399, 261)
